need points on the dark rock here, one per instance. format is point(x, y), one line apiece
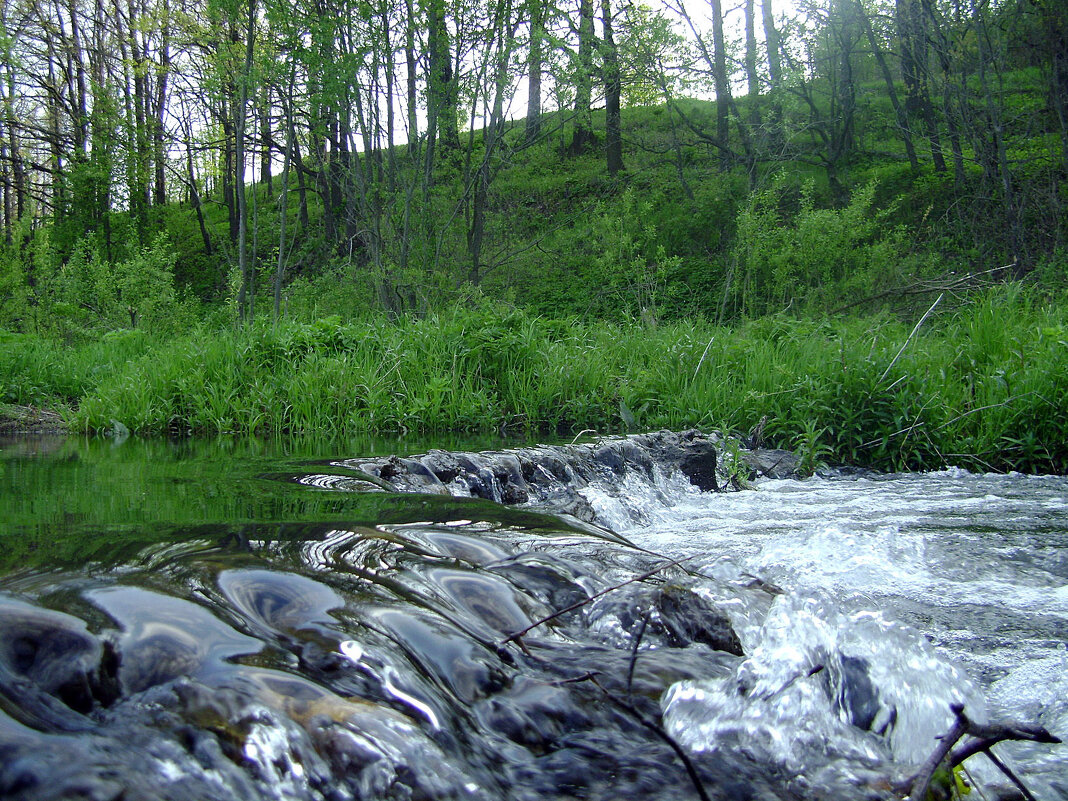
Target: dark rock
point(512, 495)
point(549, 477)
point(610, 458)
point(567, 501)
point(858, 697)
point(699, 465)
point(51, 657)
point(534, 714)
point(688, 618)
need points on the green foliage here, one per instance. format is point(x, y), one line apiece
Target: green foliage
point(87, 295)
point(816, 258)
point(631, 262)
point(14, 289)
point(985, 386)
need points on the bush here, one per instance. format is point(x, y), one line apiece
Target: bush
point(816, 261)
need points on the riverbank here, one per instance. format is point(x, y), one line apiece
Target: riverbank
point(15, 420)
point(983, 386)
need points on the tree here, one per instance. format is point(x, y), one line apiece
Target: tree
point(914, 40)
point(612, 91)
point(582, 134)
point(535, 64)
point(246, 295)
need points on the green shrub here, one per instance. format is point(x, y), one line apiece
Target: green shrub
point(815, 260)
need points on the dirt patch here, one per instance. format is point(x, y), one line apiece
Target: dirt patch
point(30, 420)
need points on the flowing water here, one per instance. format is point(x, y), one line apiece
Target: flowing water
point(238, 621)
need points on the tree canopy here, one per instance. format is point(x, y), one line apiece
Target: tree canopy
point(291, 136)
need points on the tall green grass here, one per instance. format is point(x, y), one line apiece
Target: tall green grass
point(984, 386)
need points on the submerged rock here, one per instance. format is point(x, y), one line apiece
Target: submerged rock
point(552, 477)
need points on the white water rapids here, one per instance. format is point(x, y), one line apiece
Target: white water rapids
point(946, 586)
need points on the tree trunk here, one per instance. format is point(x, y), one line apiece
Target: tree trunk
point(943, 50)
point(229, 169)
point(5, 176)
point(194, 195)
point(752, 78)
point(1017, 241)
point(441, 78)
point(913, 36)
point(888, 80)
point(266, 179)
point(721, 83)
point(505, 35)
point(18, 171)
point(612, 90)
point(159, 145)
point(283, 207)
point(534, 69)
point(582, 135)
point(244, 298)
point(773, 46)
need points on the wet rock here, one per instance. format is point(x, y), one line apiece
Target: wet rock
point(543, 580)
point(164, 638)
point(699, 465)
point(858, 698)
point(409, 475)
point(610, 458)
point(550, 477)
point(688, 618)
point(444, 652)
point(691, 452)
point(565, 500)
point(485, 600)
point(772, 463)
point(673, 616)
point(48, 657)
point(533, 714)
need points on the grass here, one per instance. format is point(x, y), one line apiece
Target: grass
point(984, 386)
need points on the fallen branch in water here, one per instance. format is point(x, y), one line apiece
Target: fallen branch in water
point(985, 735)
point(634, 652)
point(515, 637)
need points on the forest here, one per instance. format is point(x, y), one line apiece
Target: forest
point(515, 187)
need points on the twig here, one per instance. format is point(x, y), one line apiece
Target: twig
point(659, 731)
point(974, 783)
point(583, 431)
point(910, 336)
point(1008, 772)
point(634, 652)
point(911, 428)
point(578, 604)
point(922, 288)
point(702, 361)
point(1005, 402)
point(922, 780)
point(986, 736)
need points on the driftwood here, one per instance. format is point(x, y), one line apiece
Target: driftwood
point(983, 737)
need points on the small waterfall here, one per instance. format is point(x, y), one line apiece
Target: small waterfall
point(426, 630)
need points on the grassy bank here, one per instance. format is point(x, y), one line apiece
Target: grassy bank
point(983, 386)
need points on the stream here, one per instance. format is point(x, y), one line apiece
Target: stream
point(252, 621)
